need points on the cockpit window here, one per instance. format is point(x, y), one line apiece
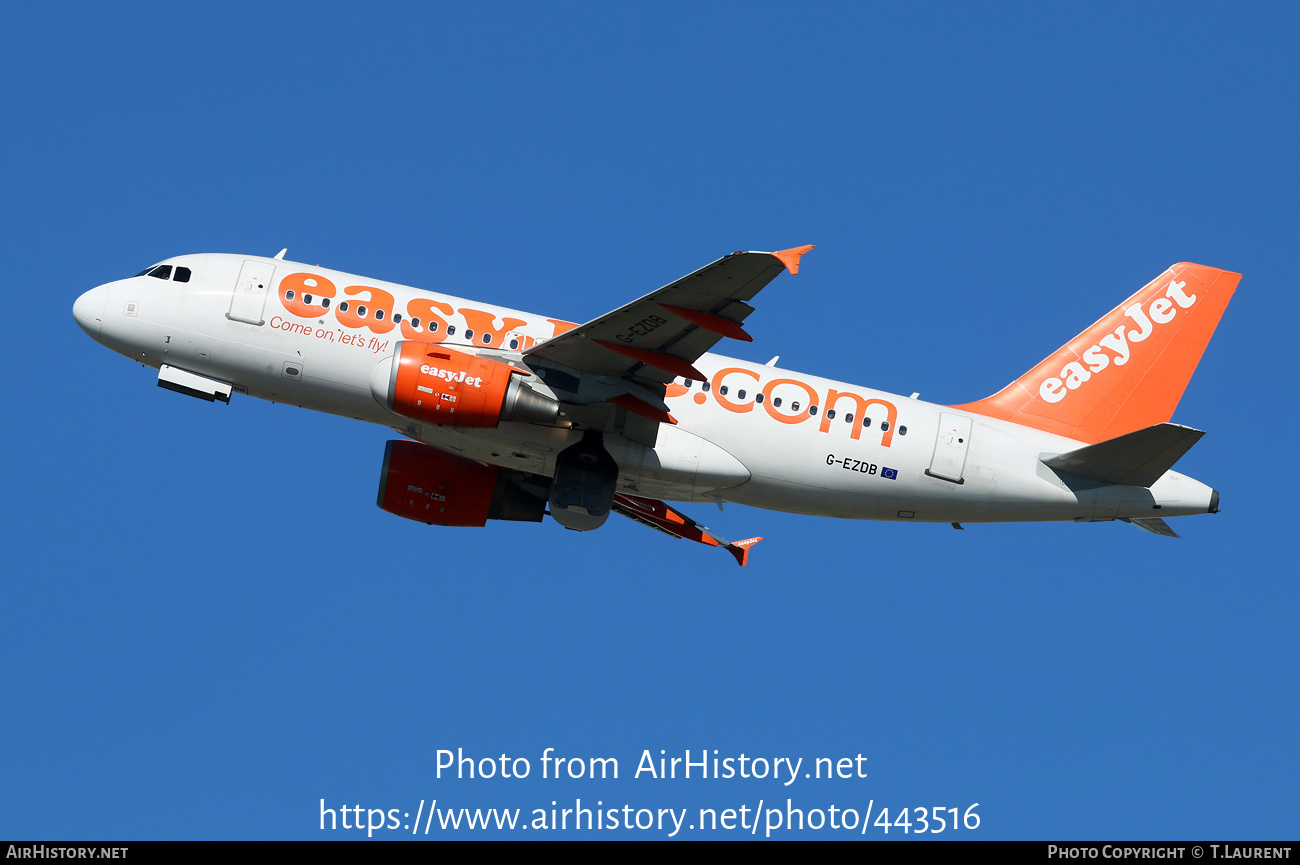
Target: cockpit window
point(164, 271)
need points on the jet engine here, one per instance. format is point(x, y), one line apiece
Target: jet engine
point(431, 486)
point(435, 384)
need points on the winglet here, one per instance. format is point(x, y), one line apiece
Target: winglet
point(740, 549)
point(790, 257)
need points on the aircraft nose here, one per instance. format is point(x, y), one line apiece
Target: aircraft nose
point(89, 311)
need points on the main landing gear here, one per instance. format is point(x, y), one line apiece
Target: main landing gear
point(583, 489)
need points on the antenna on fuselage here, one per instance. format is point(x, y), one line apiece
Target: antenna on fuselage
point(279, 256)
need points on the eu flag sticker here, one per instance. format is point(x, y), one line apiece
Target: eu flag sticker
point(889, 474)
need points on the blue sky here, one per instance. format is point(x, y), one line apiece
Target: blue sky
point(203, 641)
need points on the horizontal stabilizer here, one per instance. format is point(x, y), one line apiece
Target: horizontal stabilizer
point(1138, 458)
point(1155, 525)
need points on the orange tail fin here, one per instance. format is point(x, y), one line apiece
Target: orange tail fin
point(1126, 372)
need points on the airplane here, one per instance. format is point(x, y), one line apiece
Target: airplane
point(510, 415)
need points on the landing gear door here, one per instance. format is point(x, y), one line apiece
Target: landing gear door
point(249, 298)
point(950, 448)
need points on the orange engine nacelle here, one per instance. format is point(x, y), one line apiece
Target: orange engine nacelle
point(427, 485)
point(435, 384)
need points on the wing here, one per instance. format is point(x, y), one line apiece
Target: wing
point(670, 521)
point(611, 372)
point(628, 355)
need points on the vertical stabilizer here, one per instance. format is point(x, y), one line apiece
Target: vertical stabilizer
point(1126, 372)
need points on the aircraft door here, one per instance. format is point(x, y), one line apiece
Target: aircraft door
point(950, 448)
point(251, 289)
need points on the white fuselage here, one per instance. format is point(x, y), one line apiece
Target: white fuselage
point(759, 436)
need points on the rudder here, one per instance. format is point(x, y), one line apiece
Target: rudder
point(1129, 370)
